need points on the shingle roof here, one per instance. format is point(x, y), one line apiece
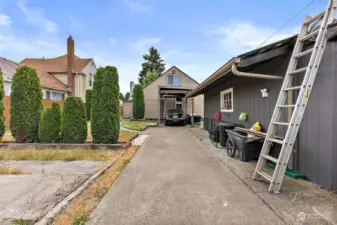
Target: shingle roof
point(55, 65)
point(8, 68)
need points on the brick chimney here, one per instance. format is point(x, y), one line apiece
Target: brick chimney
point(70, 64)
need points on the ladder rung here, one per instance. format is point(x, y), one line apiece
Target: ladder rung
point(310, 35)
point(276, 140)
point(317, 17)
point(270, 158)
point(281, 123)
point(298, 71)
point(286, 106)
point(307, 52)
point(292, 88)
point(265, 175)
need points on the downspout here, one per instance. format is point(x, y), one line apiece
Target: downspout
point(235, 71)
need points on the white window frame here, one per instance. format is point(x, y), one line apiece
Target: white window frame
point(174, 75)
point(51, 95)
point(222, 93)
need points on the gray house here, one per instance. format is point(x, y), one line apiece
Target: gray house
point(230, 92)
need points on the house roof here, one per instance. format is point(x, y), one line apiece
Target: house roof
point(227, 67)
point(55, 65)
point(49, 81)
point(8, 68)
point(170, 69)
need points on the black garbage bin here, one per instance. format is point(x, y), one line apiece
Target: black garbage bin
point(222, 127)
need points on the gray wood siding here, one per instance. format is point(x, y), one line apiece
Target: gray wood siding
point(317, 151)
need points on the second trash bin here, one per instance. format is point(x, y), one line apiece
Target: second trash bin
point(222, 132)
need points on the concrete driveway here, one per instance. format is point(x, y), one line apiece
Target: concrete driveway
point(174, 179)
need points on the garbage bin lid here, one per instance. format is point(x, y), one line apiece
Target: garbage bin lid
point(226, 124)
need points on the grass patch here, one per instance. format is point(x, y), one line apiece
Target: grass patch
point(10, 170)
point(124, 136)
point(83, 205)
point(137, 125)
point(58, 154)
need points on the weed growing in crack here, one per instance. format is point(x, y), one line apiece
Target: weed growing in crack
point(81, 220)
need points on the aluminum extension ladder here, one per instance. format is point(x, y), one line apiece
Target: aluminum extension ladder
point(319, 36)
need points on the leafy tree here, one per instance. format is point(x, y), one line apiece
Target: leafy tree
point(2, 105)
point(138, 103)
point(74, 122)
point(152, 62)
point(88, 98)
point(26, 105)
point(150, 76)
point(121, 96)
point(106, 124)
point(49, 129)
point(127, 96)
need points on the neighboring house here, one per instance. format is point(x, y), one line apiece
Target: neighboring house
point(315, 152)
point(8, 68)
point(166, 92)
point(65, 75)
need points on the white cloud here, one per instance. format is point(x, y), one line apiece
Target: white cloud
point(37, 18)
point(142, 45)
point(240, 36)
point(136, 6)
point(5, 20)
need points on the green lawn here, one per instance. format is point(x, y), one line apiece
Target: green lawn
point(138, 125)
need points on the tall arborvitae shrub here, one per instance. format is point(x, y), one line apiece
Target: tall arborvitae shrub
point(2, 105)
point(106, 108)
point(95, 104)
point(26, 105)
point(49, 130)
point(88, 97)
point(73, 121)
point(138, 104)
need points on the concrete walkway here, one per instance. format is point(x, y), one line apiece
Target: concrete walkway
point(174, 179)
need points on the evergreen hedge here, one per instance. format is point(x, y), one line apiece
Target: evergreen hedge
point(74, 122)
point(26, 105)
point(105, 107)
point(2, 105)
point(49, 129)
point(138, 103)
point(88, 98)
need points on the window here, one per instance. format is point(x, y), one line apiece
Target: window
point(174, 79)
point(226, 100)
point(57, 96)
point(90, 79)
point(52, 95)
point(48, 96)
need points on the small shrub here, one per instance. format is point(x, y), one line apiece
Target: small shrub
point(88, 98)
point(26, 105)
point(138, 103)
point(49, 129)
point(106, 124)
point(73, 121)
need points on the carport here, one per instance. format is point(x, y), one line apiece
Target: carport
point(178, 95)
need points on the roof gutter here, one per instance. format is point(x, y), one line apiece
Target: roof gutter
point(236, 72)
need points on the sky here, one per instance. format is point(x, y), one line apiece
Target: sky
point(196, 36)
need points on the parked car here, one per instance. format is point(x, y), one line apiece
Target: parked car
point(174, 116)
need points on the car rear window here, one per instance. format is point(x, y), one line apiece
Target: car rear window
point(173, 111)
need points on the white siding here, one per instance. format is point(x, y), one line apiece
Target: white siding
point(7, 87)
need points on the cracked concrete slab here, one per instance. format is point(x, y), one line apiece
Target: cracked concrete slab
point(30, 196)
point(173, 179)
